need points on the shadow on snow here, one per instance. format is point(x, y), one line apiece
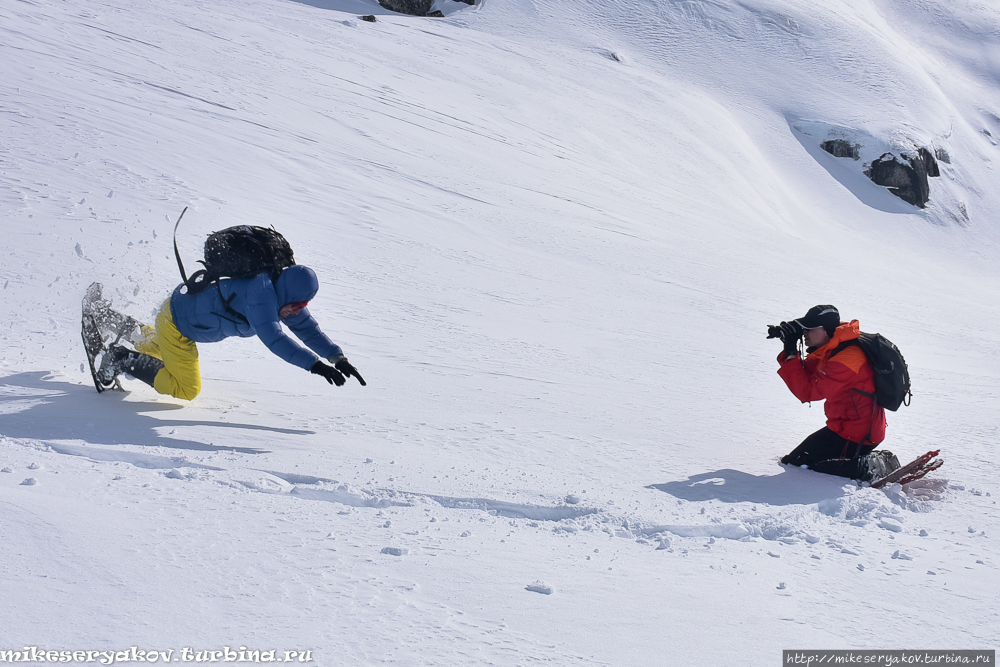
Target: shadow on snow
point(32, 407)
point(793, 486)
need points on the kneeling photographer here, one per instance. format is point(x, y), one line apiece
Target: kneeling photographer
point(855, 423)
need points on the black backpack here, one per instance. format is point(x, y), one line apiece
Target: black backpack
point(892, 378)
point(243, 251)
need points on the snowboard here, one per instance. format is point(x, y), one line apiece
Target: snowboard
point(102, 326)
point(912, 471)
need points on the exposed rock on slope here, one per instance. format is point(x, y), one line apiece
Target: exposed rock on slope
point(900, 164)
point(907, 177)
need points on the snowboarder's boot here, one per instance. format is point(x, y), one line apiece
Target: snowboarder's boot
point(876, 465)
point(118, 360)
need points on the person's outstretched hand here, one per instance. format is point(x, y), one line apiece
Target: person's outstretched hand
point(345, 367)
point(332, 375)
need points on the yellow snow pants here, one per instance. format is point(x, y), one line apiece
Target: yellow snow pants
point(180, 376)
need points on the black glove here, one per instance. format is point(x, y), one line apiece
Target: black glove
point(345, 367)
point(790, 334)
point(332, 375)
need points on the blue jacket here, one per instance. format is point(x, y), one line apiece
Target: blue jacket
point(203, 317)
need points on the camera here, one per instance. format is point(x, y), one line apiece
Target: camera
point(780, 330)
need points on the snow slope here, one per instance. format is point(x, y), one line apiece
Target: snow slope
point(550, 235)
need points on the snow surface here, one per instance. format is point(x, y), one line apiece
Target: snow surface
point(550, 234)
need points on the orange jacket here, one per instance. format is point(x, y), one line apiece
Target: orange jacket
point(849, 414)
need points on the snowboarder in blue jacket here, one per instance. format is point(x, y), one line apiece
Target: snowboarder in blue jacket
point(166, 356)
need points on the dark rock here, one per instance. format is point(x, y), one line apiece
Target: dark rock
point(893, 174)
point(907, 180)
point(411, 7)
point(942, 155)
point(468, 2)
point(436, 14)
point(841, 148)
point(369, 18)
point(927, 160)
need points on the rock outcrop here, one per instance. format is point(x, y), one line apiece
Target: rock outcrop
point(902, 160)
point(842, 148)
point(905, 176)
point(411, 7)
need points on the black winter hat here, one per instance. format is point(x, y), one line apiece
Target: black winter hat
point(827, 317)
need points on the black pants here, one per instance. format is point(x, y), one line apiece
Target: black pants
point(825, 451)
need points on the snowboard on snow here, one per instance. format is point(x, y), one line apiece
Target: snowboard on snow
point(912, 471)
point(102, 327)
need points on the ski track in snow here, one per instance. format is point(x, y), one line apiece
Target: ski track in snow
point(888, 509)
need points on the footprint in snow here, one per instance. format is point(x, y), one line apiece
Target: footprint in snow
point(31, 481)
point(7, 470)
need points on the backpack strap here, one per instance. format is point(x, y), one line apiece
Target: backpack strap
point(843, 346)
point(840, 348)
point(177, 253)
point(237, 316)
